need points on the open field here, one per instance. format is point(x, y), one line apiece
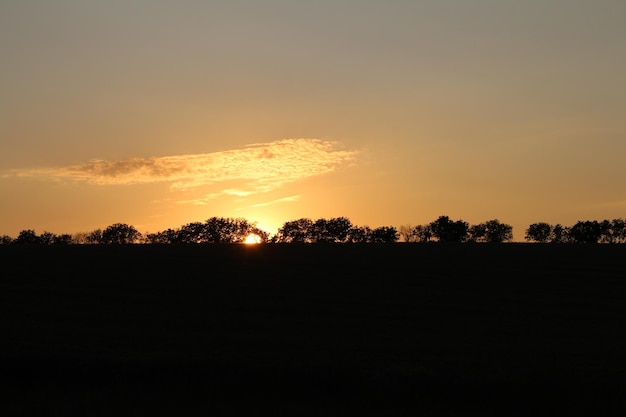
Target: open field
point(313, 330)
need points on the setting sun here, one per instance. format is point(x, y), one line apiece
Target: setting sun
point(252, 239)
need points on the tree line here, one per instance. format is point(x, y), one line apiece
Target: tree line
point(445, 229)
point(605, 231)
point(222, 230)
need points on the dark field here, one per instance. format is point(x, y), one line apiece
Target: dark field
point(313, 330)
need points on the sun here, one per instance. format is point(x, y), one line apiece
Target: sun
point(252, 239)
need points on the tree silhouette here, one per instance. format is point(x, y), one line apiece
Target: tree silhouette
point(165, 237)
point(333, 230)
point(617, 231)
point(539, 232)
point(412, 234)
point(120, 234)
point(336, 230)
point(492, 231)
point(405, 233)
point(27, 237)
point(320, 232)
point(359, 234)
point(295, 231)
point(62, 239)
point(193, 232)
point(46, 238)
point(477, 233)
point(605, 231)
point(94, 237)
point(79, 238)
point(585, 232)
point(384, 234)
point(613, 231)
point(220, 230)
point(230, 230)
point(560, 234)
point(446, 230)
point(213, 230)
point(497, 232)
point(423, 233)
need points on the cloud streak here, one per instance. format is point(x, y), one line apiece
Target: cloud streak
point(277, 201)
point(261, 167)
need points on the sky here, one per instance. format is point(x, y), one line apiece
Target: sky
point(160, 113)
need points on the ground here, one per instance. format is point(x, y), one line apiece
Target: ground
point(312, 330)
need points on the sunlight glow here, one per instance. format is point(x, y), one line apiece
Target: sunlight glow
point(252, 239)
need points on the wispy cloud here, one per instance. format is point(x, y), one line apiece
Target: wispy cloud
point(607, 204)
point(278, 200)
point(260, 167)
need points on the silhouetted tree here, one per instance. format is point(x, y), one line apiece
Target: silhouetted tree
point(337, 230)
point(94, 237)
point(539, 232)
point(606, 232)
point(62, 239)
point(221, 230)
point(446, 230)
point(406, 233)
point(242, 228)
point(217, 230)
point(6, 240)
point(27, 237)
point(171, 236)
point(359, 234)
point(618, 231)
point(159, 237)
point(423, 233)
point(213, 230)
point(477, 233)
point(411, 234)
point(121, 234)
point(79, 238)
point(46, 238)
point(497, 232)
point(559, 234)
point(229, 230)
point(384, 234)
point(193, 232)
point(295, 231)
point(492, 231)
point(585, 232)
point(334, 230)
point(613, 231)
point(262, 234)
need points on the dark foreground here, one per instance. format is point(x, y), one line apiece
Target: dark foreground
point(313, 330)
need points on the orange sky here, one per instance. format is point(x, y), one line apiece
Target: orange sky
point(162, 113)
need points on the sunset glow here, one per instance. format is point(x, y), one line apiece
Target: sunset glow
point(252, 239)
point(388, 113)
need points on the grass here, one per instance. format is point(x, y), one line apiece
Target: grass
point(313, 330)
